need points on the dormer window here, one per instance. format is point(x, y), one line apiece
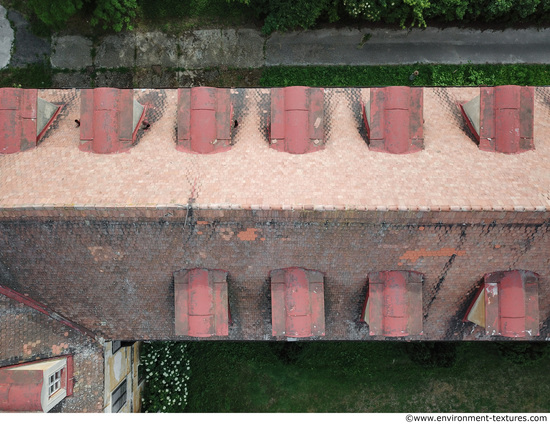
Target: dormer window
point(201, 303)
point(109, 120)
point(501, 118)
point(297, 120)
point(507, 304)
point(54, 383)
point(43, 383)
point(394, 119)
point(393, 307)
point(297, 302)
point(205, 117)
point(24, 119)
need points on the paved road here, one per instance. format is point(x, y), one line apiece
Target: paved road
point(248, 48)
point(376, 47)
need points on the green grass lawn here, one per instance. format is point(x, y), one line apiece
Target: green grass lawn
point(360, 377)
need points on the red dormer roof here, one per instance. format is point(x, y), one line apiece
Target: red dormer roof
point(109, 120)
point(21, 390)
point(297, 120)
point(501, 118)
point(393, 307)
point(24, 119)
point(394, 119)
point(204, 120)
point(506, 304)
point(26, 387)
point(297, 302)
point(201, 303)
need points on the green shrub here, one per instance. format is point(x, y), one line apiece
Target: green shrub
point(167, 371)
point(115, 14)
point(55, 13)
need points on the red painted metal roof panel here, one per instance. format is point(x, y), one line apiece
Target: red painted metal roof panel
point(203, 98)
point(201, 293)
point(278, 308)
point(507, 97)
point(296, 98)
point(10, 131)
point(316, 115)
point(511, 303)
point(10, 98)
point(526, 118)
point(506, 119)
point(29, 99)
point(511, 296)
point(277, 128)
point(297, 120)
point(204, 120)
point(394, 303)
point(87, 114)
point(492, 309)
point(397, 98)
point(507, 129)
point(126, 115)
point(395, 120)
point(201, 303)
point(203, 130)
point(224, 115)
point(181, 306)
point(317, 299)
point(201, 326)
point(396, 130)
point(28, 134)
point(20, 390)
point(106, 120)
point(184, 117)
point(375, 310)
point(298, 325)
point(395, 295)
point(297, 293)
point(297, 303)
point(296, 131)
point(18, 120)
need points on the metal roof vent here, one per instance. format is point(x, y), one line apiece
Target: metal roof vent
point(394, 119)
point(109, 120)
point(393, 307)
point(501, 118)
point(204, 120)
point(24, 119)
point(297, 120)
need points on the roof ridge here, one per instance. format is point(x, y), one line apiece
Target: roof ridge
point(27, 301)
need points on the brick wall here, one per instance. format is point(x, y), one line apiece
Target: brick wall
point(28, 335)
point(115, 276)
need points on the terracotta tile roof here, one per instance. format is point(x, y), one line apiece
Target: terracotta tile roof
point(450, 173)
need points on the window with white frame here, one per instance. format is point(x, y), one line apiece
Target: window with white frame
point(118, 397)
point(54, 383)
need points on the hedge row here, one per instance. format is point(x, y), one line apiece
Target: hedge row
point(289, 14)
